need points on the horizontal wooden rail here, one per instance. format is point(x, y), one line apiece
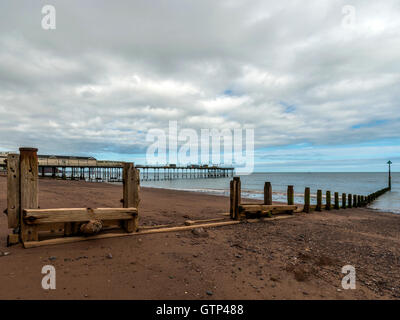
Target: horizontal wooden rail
point(264, 207)
point(32, 244)
point(42, 216)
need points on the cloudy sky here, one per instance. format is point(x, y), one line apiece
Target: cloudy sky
point(319, 85)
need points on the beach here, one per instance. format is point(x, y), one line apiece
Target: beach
point(297, 258)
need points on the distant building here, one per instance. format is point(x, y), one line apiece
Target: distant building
point(54, 160)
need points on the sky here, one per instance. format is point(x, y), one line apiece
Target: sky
point(317, 81)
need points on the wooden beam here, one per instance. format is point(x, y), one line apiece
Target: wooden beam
point(12, 239)
point(192, 222)
point(13, 190)
point(237, 198)
point(337, 206)
point(231, 197)
point(344, 197)
point(32, 244)
point(254, 208)
point(349, 200)
point(319, 201)
point(267, 193)
point(131, 181)
point(307, 200)
point(29, 189)
point(290, 195)
point(41, 216)
point(328, 200)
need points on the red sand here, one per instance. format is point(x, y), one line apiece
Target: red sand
point(298, 258)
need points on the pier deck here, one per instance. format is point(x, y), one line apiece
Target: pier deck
point(90, 169)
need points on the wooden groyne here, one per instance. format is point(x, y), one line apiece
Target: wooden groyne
point(240, 210)
point(31, 224)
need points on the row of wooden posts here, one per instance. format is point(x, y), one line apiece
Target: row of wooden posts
point(340, 202)
point(239, 210)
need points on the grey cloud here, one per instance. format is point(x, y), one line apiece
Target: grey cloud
point(113, 70)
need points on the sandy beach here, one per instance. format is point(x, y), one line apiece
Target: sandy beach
point(297, 258)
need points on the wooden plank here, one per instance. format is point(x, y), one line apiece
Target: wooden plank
point(264, 219)
point(12, 239)
point(192, 222)
point(131, 181)
point(267, 193)
point(13, 190)
point(42, 216)
point(33, 244)
point(28, 189)
point(68, 229)
point(254, 208)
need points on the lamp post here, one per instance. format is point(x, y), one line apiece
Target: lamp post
point(390, 176)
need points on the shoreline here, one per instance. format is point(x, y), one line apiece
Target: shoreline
point(225, 193)
point(296, 258)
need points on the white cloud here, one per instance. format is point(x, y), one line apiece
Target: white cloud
point(112, 71)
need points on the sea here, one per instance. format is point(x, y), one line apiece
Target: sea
point(253, 186)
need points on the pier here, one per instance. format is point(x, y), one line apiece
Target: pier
point(90, 169)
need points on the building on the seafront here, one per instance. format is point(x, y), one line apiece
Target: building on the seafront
point(54, 160)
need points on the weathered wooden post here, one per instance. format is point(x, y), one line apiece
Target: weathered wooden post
point(29, 172)
point(131, 183)
point(355, 202)
point(337, 201)
point(343, 200)
point(328, 200)
point(350, 197)
point(231, 198)
point(267, 193)
point(358, 201)
point(390, 175)
point(319, 200)
point(307, 200)
point(238, 198)
point(290, 195)
point(13, 197)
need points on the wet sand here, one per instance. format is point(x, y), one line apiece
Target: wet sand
point(297, 258)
